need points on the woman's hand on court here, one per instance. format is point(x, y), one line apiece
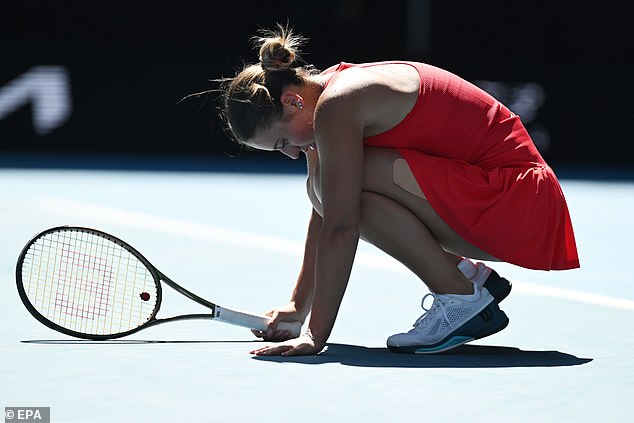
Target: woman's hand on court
point(304, 345)
point(285, 313)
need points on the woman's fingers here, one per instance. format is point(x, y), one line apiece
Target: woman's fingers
point(277, 336)
point(274, 335)
point(303, 345)
point(272, 350)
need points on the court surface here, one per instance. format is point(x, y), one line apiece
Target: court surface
point(236, 239)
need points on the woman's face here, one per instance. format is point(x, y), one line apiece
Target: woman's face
point(291, 135)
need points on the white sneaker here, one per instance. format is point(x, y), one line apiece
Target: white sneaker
point(485, 277)
point(451, 321)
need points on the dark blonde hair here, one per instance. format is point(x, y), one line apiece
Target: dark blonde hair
point(251, 99)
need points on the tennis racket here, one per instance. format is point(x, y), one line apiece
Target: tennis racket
point(86, 283)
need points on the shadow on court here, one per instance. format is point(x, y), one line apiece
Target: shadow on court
point(467, 356)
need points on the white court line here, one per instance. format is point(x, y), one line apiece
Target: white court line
point(77, 209)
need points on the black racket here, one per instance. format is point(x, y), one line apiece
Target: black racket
point(89, 284)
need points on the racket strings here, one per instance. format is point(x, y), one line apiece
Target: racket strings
point(87, 283)
point(94, 282)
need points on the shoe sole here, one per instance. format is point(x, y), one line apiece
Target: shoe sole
point(494, 321)
point(498, 287)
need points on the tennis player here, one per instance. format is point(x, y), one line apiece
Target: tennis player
point(415, 160)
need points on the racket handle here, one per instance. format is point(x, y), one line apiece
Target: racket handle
point(252, 321)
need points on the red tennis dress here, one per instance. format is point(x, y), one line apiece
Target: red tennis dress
point(481, 172)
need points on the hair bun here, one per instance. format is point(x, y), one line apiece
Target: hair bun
point(279, 48)
point(274, 55)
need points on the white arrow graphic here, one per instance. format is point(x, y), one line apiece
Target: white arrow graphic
point(47, 88)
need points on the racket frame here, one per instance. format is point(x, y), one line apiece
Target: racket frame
point(226, 315)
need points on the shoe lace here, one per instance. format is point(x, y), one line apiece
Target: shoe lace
point(436, 307)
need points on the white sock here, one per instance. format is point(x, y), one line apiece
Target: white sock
point(468, 268)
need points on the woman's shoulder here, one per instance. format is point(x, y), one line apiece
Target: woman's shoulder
point(344, 89)
point(369, 79)
point(343, 102)
point(346, 81)
point(375, 95)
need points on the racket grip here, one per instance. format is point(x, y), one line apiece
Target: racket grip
point(253, 321)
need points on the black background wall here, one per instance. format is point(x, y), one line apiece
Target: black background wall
point(106, 77)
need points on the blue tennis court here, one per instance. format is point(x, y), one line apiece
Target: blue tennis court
point(237, 239)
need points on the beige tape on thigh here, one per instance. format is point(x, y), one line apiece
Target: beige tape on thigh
point(404, 178)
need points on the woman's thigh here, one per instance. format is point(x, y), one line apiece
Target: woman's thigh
point(387, 173)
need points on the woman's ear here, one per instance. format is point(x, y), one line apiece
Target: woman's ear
point(292, 100)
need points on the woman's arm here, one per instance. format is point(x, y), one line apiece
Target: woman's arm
point(304, 291)
point(340, 143)
point(301, 300)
